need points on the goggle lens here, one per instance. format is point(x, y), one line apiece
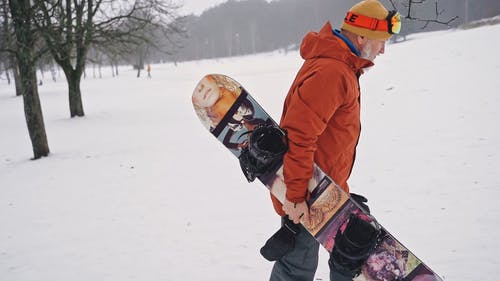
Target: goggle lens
point(395, 23)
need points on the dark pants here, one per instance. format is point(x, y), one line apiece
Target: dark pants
point(301, 263)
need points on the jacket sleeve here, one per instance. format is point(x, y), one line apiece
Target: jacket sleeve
point(308, 111)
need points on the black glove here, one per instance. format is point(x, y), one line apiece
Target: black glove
point(353, 246)
point(361, 200)
point(282, 242)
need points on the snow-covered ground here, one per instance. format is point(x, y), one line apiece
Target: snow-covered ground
point(138, 190)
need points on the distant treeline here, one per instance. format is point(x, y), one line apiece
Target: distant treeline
point(252, 26)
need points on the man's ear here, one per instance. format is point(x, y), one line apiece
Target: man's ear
point(361, 41)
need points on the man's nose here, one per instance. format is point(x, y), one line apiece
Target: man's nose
point(382, 50)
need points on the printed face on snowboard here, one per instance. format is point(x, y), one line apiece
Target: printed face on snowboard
point(242, 112)
point(206, 93)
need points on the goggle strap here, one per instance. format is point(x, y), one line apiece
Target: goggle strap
point(366, 22)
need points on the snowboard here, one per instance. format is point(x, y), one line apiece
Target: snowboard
point(229, 113)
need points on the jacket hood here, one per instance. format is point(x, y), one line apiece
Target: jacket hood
point(324, 44)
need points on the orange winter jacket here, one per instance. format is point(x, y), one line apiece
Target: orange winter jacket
point(321, 114)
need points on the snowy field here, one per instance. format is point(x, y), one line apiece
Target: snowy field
point(138, 190)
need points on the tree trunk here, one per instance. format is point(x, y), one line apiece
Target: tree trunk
point(75, 95)
point(15, 70)
point(33, 111)
point(17, 80)
point(21, 14)
point(7, 75)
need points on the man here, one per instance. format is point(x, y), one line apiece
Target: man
point(321, 116)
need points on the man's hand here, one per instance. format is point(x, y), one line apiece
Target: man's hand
point(297, 211)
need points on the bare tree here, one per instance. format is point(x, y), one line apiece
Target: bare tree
point(22, 12)
point(70, 27)
point(411, 6)
point(7, 46)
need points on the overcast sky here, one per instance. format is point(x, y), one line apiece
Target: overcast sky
point(197, 6)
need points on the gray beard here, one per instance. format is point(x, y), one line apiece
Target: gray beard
point(365, 54)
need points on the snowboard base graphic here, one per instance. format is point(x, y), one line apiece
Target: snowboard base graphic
point(229, 112)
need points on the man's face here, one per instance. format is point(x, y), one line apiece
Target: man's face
point(372, 48)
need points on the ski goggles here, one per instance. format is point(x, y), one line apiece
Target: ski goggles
point(392, 24)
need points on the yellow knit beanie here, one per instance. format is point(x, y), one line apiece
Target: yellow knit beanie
point(373, 9)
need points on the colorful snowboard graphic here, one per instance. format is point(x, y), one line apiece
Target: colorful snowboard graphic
point(229, 112)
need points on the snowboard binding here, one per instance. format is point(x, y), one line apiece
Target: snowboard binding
point(267, 144)
point(353, 245)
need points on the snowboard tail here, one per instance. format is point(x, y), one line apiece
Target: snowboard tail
point(229, 112)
